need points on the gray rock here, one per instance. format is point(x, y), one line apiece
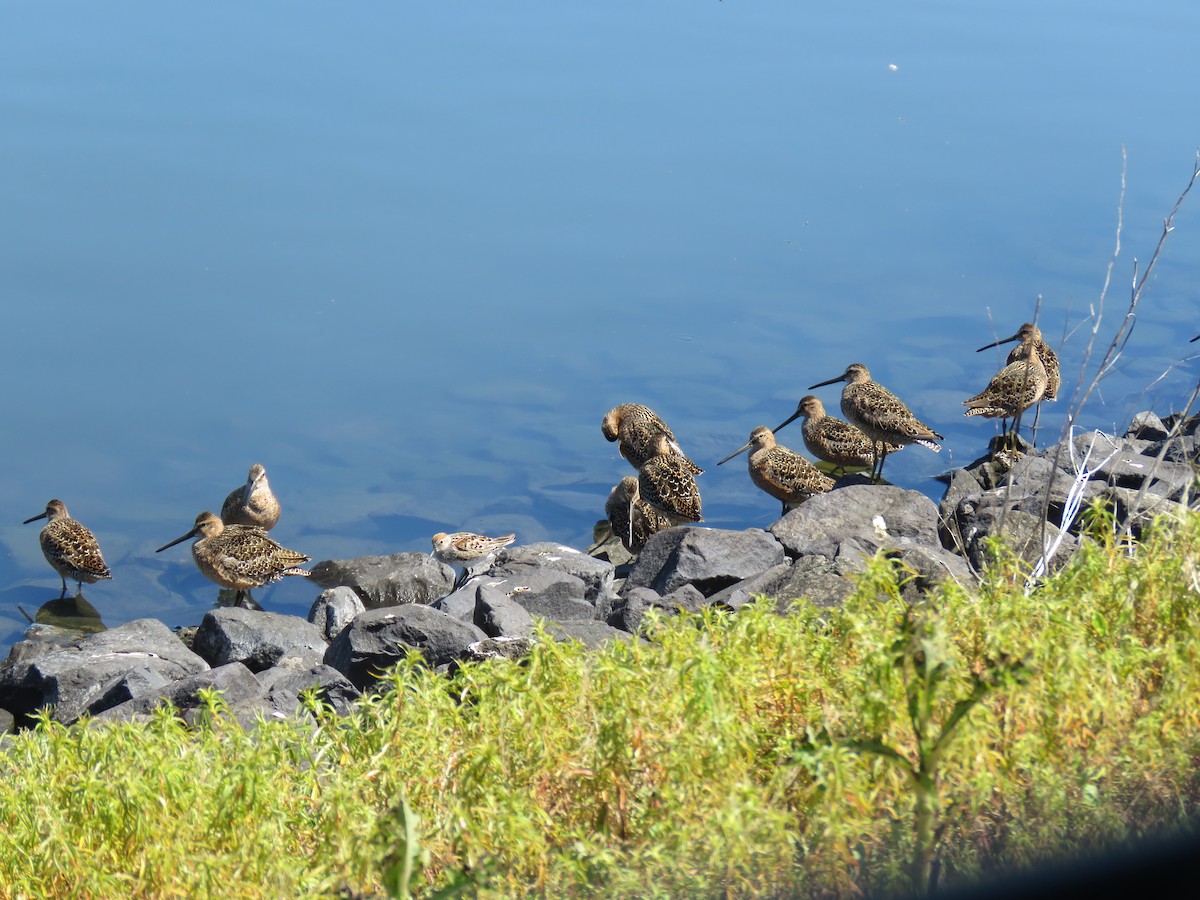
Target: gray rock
point(253, 637)
point(498, 615)
point(591, 634)
point(813, 578)
point(989, 516)
point(710, 559)
point(377, 638)
point(283, 685)
point(499, 648)
point(235, 682)
point(133, 683)
point(549, 593)
point(1146, 426)
point(73, 678)
point(8, 724)
point(387, 580)
point(628, 613)
point(334, 610)
point(865, 518)
point(461, 603)
point(596, 574)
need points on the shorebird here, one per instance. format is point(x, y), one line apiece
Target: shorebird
point(69, 547)
point(1014, 388)
point(239, 557)
point(786, 476)
point(1030, 333)
point(833, 440)
point(634, 427)
point(466, 552)
point(666, 482)
point(880, 415)
point(633, 520)
point(252, 503)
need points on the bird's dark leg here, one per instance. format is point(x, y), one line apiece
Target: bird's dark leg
point(459, 579)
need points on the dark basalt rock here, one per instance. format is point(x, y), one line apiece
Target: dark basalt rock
point(235, 682)
point(628, 612)
point(379, 637)
point(334, 610)
point(387, 580)
point(859, 520)
point(595, 574)
point(75, 677)
point(498, 615)
point(709, 559)
point(252, 637)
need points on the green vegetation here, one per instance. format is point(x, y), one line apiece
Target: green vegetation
point(858, 750)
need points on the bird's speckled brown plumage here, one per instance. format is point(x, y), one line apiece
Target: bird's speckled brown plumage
point(252, 503)
point(69, 547)
point(830, 439)
point(635, 428)
point(786, 476)
point(633, 520)
point(1014, 388)
point(1048, 358)
point(665, 481)
point(239, 557)
point(880, 414)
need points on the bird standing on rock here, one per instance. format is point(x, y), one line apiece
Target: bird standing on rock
point(635, 428)
point(633, 520)
point(880, 415)
point(786, 476)
point(466, 552)
point(832, 439)
point(666, 482)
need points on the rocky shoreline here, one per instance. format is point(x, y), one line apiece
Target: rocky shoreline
point(375, 610)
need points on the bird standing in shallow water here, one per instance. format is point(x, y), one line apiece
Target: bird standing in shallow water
point(69, 547)
point(239, 557)
point(635, 428)
point(633, 520)
point(466, 552)
point(880, 415)
point(666, 482)
point(252, 503)
point(832, 439)
point(786, 476)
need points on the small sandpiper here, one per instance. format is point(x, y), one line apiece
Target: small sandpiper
point(69, 547)
point(466, 552)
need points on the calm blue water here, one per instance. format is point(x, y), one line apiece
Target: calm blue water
point(406, 255)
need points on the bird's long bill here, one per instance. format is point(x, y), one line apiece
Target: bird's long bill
point(1015, 337)
point(35, 518)
point(178, 540)
point(742, 449)
point(788, 421)
point(841, 377)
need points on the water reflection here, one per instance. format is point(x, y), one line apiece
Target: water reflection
point(73, 616)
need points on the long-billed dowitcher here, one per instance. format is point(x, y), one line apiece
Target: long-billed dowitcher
point(786, 476)
point(1028, 332)
point(830, 439)
point(880, 415)
point(69, 547)
point(633, 520)
point(666, 482)
point(252, 503)
point(1013, 389)
point(466, 552)
point(239, 557)
point(635, 427)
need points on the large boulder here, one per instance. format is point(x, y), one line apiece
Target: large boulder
point(379, 637)
point(75, 677)
point(387, 580)
point(253, 637)
point(709, 559)
point(596, 574)
point(821, 581)
point(235, 682)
